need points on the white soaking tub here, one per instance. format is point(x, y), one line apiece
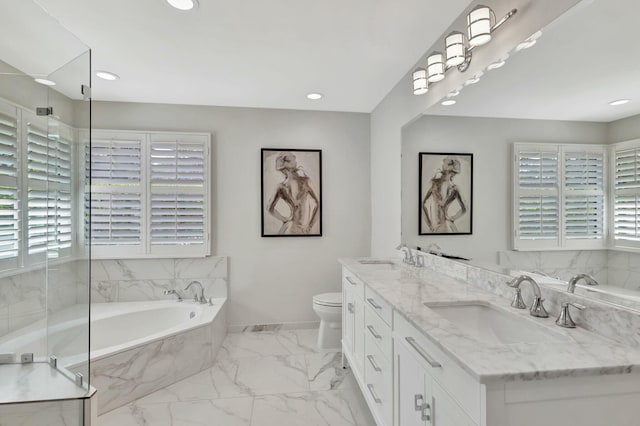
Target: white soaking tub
point(136, 347)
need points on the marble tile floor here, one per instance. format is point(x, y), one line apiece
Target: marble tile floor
point(268, 378)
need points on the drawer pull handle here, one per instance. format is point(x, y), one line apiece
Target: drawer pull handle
point(373, 303)
point(422, 353)
point(432, 412)
point(373, 332)
point(373, 394)
point(352, 282)
point(350, 308)
point(373, 363)
point(418, 400)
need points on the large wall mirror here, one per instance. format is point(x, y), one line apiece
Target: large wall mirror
point(554, 188)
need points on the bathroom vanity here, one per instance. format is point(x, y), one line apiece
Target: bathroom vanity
point(435, 349)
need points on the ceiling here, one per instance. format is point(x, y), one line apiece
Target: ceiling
point(583, 60)
point(243, 53)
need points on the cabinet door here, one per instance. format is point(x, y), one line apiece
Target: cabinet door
point(411, 389)
point(445, 411)
point(348, 321)
point(358, 335)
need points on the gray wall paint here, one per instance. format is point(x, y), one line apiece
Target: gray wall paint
point(490, 140)
point(272, 280)
point(625, 129)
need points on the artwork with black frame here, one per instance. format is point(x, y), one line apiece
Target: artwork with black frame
point(446, 193)
point(291, 183)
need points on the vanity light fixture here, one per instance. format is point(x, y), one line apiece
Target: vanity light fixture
point(420, 85)
point(183, 4)
point(448, 102)
point(481, 23)
point(44, 81)
point(435, 67)
point(106, 75)
point(315, 96)
point(619, 102)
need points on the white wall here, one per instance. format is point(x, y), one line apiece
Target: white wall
point(400, 106)
point(490, 140)
point(625, 129)
point(272, 280)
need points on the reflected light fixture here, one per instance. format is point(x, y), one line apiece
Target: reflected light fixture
point(44, 81)
point(435, 67)
point(106, 75)
point(481, 23)
point(183, 4)
point(619, 102)
point(420, 85)
point(315, 96)
point(456, 45)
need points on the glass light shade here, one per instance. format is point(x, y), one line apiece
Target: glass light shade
point(420, 85)
point(435, 67)
point(480, 21)
point(456, 48)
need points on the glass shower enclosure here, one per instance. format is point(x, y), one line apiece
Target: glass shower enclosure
point(45, 80)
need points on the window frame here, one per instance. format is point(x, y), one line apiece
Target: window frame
point(625, 245)
point(560, 242)
point(145, 250)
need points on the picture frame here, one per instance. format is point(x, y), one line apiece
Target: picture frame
point(445, 193)
point(291, 192)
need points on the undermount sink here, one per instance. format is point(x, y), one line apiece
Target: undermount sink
point(493, 326)
point(375, 262)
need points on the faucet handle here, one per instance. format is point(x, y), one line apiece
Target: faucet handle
point(564, 319)
point(537, 308)
point(517, 301)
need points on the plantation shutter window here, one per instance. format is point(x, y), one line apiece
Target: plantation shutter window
point(49, 185)
point(626, 187)
point(9, 173)
point(149, 194)
point(537, 194)
point(559, 197)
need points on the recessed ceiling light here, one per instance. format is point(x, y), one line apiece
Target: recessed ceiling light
point(497, 64)
point(183, 4)
point(315, 96)
point(44, 81)
point(106, 75)
point(472, 80)
point(449, 102)
point(619, 102)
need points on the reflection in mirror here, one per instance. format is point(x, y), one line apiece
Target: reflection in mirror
point(555, 189)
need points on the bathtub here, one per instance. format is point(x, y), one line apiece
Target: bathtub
point(136, 347)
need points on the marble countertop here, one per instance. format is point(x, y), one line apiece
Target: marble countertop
point(578, 353)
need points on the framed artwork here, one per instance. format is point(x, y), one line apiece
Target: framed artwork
point(291, 192)
point(446, 193)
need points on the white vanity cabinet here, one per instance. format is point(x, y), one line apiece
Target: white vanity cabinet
point(353, 321)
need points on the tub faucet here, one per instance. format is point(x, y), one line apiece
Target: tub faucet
point(199, 299)
point(574, 280)
point(537, 307)
point(178, 297)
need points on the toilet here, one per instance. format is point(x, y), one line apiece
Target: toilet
point(328, 306)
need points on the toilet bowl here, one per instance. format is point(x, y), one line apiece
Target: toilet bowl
point(328, 306)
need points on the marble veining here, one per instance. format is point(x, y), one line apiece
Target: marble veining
point(583, 352)
point(58, 413)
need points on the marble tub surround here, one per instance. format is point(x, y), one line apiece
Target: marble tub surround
point(130, 280)
point(579, 352)
point(58, 413)
point(261, 378)
point(558, 264)
point(131, 374)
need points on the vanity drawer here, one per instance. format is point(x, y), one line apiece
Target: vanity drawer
point(380, 306)
point(450, 376)
point(352, 284)
point(379, 384)
point(377, 332)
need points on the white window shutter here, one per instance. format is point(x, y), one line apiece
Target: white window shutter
point(9, 203)
point(626, 205)
point(584, 201)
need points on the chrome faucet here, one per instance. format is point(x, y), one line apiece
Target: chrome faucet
point(178, 297)
point(574, 280)
point(564, 319)
point(408, 255)
point(199, 299)
point(537, 307)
